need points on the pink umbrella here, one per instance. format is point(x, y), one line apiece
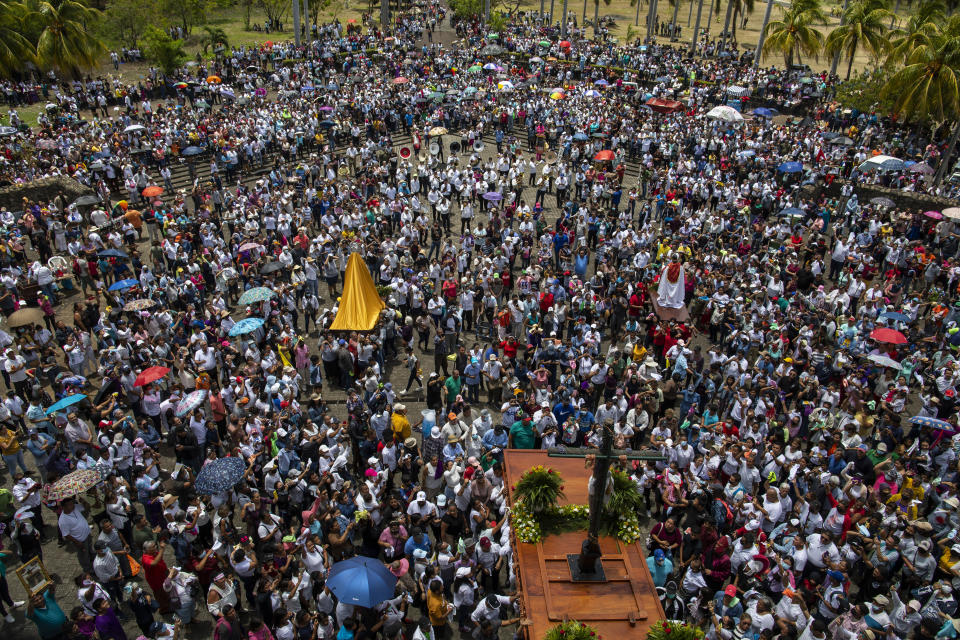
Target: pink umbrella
point(935, 215)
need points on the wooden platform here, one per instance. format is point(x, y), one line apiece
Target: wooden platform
point(543, 575)
point(668, 313)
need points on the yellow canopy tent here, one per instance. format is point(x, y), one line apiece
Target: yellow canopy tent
point(360, 305)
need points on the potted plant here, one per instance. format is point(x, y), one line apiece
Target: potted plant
point(572, 630)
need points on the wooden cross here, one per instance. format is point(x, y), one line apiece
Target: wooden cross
point(601, 469)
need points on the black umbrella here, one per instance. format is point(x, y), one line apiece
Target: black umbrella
point(270, 267)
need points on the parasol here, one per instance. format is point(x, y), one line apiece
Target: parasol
point(271, 267)
point(25, 316)
point(124, 284)
point(891, 336)
point(152, 191)
point(492, 196)
point(63, 403)
point(192, 400)
point(883, 361)
point(933, 423)
point(882, 201)
point(256, 294)
point(220, 475)
point(112, 253)
point(73, 484)
point(361, 581)
point(246, 326)
point(605, 155)
point(139, 305)
point(151, 374)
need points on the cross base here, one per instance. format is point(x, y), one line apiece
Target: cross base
point(573, 561)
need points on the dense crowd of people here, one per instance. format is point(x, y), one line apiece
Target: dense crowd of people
point(569, 238)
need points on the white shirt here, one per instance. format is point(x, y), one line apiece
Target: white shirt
point(74, 524)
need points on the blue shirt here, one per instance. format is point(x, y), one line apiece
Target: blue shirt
point(659, 571)
point(491, 439)
point(411, 545)
point(563, 411)
point(35, 446)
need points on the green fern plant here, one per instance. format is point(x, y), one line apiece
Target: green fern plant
point(539, 489)
point(626, 497)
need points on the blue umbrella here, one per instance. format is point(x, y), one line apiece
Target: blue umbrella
point(246, 326)
point(193, 400)
point(581, 136)
point(602, 83)
point(933, 423)
point(219, 475)
point(361, 581)
point(112, 253)
point(192, 151)
point(765, 112)
point(790, 167)
point(63, 403)
point(124, 284)
point(791, 211)
point(257, 294)
point(895, 315)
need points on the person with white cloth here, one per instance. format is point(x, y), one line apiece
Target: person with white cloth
point(671, 291)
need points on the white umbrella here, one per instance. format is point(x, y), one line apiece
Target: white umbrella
point(953, 213)
point(884, 361)
point(725, 114)
point(738, 92)
point(887, 163)
point(134, 127)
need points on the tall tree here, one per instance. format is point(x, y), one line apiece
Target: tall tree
point(596, 15)
point(163, 51)
point(796, 33)
point(64, 40)
point(188, 13)
point(864, 26)
point(927, 86)
point(919, 28)
point(15, 48)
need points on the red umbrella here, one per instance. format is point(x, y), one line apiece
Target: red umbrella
point(888, 335)
point(150, 375)
point(564, 44)
point(152, 191)
point(605, 155)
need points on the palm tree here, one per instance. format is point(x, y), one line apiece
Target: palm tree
point(864, 25)
point(920, 27)
point(735, 10)
point(796, 33)
point(596, 15)
point(927, 86)
point(15, 49)
point(64, 40)
point(214, 36)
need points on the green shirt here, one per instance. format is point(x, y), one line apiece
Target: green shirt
point(523, 436)
point(453, 388)
point(50, 619)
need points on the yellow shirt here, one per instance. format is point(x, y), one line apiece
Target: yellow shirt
point(400, 426)
point(437, 607)
point(9, 445)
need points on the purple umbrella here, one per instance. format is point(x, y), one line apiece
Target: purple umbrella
point(492, 196)
point(326, 107)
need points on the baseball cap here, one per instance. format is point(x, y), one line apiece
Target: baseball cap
point(731, 591)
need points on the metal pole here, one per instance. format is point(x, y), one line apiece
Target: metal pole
point(763, 33)
point(563, 21)
point(296, 22)
point(836, 56)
